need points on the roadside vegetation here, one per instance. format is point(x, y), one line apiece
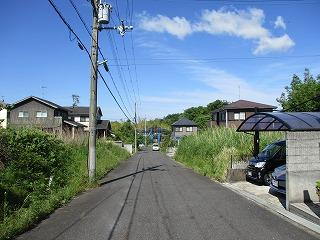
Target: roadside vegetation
point(210, 152)
point(39, 173)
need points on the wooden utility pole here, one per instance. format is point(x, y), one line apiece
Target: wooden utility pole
point(93, 95)
point(145, 131)
point(135, 127)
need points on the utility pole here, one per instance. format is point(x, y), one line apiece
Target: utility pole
point(135, 127)
point(93, 95)
point(145, 131)
point(101, 16)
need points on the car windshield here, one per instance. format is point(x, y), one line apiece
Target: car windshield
point(269, 151)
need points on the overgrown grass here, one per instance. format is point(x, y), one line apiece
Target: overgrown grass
point(29, 156)
point(209, 152)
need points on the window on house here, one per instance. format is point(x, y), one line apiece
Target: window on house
point(214, 116)
point(84, 119)
point(189, 129)
point(240, 116)
point(23, 114)
point(223, 116)
point(41, 114)
point(179, 129)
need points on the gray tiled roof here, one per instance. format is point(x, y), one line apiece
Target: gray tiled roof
point(80, 111)
point(184, 122)
point(46, 102)
point(103, 124)
point(73, 123)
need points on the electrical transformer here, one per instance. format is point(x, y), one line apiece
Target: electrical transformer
point(104, 13)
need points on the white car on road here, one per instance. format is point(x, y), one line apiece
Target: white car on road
point(155, 147)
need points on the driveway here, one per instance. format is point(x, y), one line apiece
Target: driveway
point(151, 197)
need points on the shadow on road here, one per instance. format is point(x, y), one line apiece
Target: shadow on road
point(281, 197)
point(315, 208)
point(154, 168)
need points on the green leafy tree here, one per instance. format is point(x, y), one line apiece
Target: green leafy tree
point(75, 100)
point(171, 118)
point(217, 104)
point(123, 131)
point(302, 95)
point(202, 115)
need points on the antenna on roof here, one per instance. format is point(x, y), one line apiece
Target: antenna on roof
point(43, 91)
point(239, 91)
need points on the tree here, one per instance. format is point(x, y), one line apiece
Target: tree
point(217, 104)
point(2, 105)
point(171, 118)
point(75, 100)
point(301, 95)
point(124, 131)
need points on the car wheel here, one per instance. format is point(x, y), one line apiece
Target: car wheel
point(267, 178)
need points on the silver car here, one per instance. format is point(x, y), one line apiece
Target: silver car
point(278, 180)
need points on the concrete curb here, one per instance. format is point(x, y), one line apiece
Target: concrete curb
point(293, 217)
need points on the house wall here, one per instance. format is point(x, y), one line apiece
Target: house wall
point(3, 118)
point(303, 166)
point(77, 119)
point(231, 121)
point(184, 132)
point(51, 121)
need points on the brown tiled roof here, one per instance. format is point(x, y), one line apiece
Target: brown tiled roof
point(243, 104)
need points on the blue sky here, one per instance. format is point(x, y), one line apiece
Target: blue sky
point(180, 53)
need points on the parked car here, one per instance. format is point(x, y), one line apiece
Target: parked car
point(261, 167)
point(155, 147)
point(278, 180)
point(141, 145)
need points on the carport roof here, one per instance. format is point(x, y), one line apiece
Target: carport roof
point(281, 121)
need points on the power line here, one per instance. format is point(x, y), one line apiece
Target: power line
point(133, 52)
point(135, 68)
point(228, 58)
point(273, 2)
point(86, 50)
point(126, 55)
point(100, 51)
point(116, 54)
point(114, 51)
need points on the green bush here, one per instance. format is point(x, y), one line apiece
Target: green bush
point(31, 158)
point(209, 152)
point(318, 184)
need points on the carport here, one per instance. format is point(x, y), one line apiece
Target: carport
point(302, 149)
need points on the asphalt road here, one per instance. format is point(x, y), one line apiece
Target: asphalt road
point(152, 197)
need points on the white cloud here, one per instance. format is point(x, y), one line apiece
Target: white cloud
point(279, 23)
point(268, 44)
point(177, 26)
point(215, 83)
point(246, 24)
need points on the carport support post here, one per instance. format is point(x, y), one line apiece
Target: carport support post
point(256, 143)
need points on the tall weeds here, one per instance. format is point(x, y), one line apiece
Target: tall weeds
point(31, 158)
point(209, 152)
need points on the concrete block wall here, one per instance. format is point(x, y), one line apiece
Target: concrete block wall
point(303, 166)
